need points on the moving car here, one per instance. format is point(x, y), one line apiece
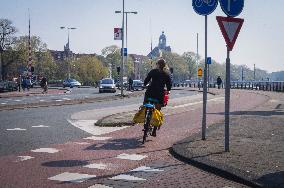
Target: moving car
point(107, 85)
point(71, 83)
point(138, 85)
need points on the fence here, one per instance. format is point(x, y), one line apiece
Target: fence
point(277, 86)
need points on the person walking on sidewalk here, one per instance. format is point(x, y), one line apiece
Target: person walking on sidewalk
point(159, 78)
point(43, 84)
point(219, 82)
point(130, 84)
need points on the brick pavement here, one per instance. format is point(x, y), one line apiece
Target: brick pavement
point(256, 145)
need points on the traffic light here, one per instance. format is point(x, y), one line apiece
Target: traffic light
point(118, 69)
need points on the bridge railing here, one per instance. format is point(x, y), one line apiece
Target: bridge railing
point(277, 86)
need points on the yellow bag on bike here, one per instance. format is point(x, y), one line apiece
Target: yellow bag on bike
point(157, 118)
point(140, 115)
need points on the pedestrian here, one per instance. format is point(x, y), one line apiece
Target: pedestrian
point(159, 78)
point(219, 82)
point(43, 84)
point(130, 84)
point(19, 83)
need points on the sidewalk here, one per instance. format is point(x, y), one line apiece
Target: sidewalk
point(256, 156)
point(256, 146)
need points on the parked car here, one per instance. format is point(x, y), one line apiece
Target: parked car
point(138, 85)
point(71, 83)
point(107, 85)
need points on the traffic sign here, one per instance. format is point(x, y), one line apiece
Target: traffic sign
point(232, 8)
point(124, 51)
point(199, 72)
point(230, 28)
point(208, 60)
point(117, 33)
point(204, 7)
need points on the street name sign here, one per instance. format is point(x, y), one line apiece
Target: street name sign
point(204, 7)
point(232, 8)
point(117, 33)
point(230, 28)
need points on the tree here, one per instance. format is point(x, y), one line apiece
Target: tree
point(112, 58)
point(6, 39)
point(190, 59)
point(89, 70)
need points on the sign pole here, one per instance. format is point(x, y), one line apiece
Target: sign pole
point(122, 51)
point(204, 86)
point(227, 101)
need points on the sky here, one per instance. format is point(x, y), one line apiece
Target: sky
point(260, 41)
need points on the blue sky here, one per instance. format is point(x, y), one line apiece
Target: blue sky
point(260, 41)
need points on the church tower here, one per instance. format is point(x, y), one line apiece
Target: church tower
point(162, 41)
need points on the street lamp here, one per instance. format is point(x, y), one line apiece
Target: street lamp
point(67, 47)
point(126, 13)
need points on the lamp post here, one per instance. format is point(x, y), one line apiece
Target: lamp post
point(67, 47)
point(126, 13)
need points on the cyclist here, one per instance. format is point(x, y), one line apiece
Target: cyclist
point(159, 77)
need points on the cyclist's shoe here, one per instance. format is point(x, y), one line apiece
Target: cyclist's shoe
point(154, 134)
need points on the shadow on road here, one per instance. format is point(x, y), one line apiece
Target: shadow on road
point(118, 144)
point(254, 113)
point(65, 163)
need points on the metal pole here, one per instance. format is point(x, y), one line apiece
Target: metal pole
point(126, 58)
point(197, 78)
point(204, 86)
point(122, 51)
point(254, 72)
point(68, 53)
point(227, 101)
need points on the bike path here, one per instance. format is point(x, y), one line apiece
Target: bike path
point(118, 159)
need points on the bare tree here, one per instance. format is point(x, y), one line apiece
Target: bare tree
point(6, 39)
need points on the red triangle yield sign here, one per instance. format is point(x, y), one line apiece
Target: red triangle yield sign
point(230, 28)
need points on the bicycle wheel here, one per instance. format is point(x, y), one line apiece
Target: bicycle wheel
point(146, 124)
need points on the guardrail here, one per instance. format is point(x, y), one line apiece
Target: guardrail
point(277, 86)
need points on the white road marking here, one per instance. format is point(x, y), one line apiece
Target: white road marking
point(97, 166)
point(132, 157)
point(46, 150)
point(67, 99)
point(24, 158)
point(97, 138)
point(59, 100)
point(41, 100)
point(81, 143)
point(72, 177)
point(127, 177)
point(99, 186)
point(16, 129)
point(39, 126)
point(89, 127)
point(3, 103)
point(17, 100)
point(146, 169)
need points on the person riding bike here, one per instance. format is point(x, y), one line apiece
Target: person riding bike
point(159, 77)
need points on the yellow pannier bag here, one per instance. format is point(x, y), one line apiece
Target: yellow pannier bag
point(140, 115)
point(157, 118)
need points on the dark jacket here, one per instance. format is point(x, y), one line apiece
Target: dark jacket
point(219, 81)
point(158, 80)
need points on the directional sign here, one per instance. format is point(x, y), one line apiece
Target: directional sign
point(208, 60)
point(199, 72)
point(204, 7)
point(117, 33)
point(124, 51)
point(232, 8)
point(230, 28)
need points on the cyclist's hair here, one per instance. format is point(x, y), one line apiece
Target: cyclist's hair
point(161, 63)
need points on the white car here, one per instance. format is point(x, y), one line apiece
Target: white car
point(71, 83)
point(107, 85)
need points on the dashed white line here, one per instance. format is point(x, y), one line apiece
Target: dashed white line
point(45, 150)
point(3, 103)
point(24, 158)
point(97, 138)
point(99, 186)
point(146, 169)
point(72, 177)
point(39, 126)
point(97, 166)
point(133, 157)
point(127, 177)
point(16, 129)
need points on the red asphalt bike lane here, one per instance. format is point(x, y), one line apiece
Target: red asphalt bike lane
point(72, 156)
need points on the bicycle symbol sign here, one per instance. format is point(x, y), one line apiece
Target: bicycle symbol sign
point(232, 8)
point(204, 7)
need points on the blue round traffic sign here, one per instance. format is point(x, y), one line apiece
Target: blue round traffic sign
point(232, 8)
point(204, 7)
